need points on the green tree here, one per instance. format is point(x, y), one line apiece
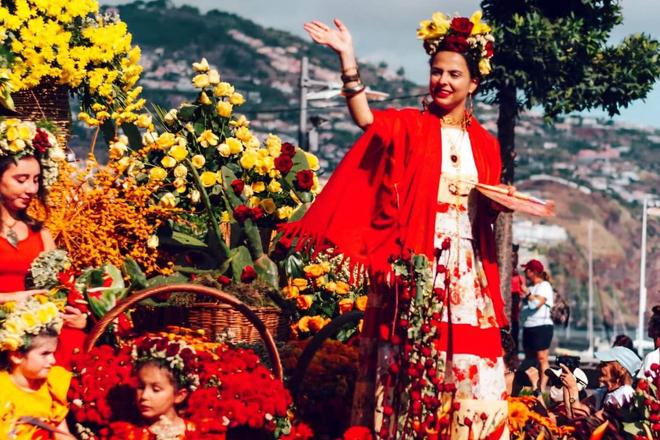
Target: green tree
point(555, 54)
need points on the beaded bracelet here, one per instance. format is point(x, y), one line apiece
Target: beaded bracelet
point(350, 78)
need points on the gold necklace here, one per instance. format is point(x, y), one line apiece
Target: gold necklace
point(454, 144)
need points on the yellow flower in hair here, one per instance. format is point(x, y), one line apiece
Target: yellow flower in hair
point(10, 343)
point(484, 66)
point(479, 26)
point(46, 315)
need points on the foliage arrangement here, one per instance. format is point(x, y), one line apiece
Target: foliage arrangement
point(72, 44)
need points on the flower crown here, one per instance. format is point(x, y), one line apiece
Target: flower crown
point(468, 36)
point(20, 321)
point(25, 138)
point(174, 354)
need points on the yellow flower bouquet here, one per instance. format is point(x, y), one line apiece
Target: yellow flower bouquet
point(21, 320)
point(74, 45)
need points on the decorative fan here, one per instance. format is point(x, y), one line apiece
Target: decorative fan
point(517, 201)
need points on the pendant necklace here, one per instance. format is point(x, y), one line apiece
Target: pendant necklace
point(11, 235)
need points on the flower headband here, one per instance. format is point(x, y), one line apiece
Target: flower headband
point(25, 138)
point(20, 321)
point(468, 36)
point(175, 355)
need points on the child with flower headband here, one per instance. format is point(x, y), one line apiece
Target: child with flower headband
point(32, 389)
point(407, 187)
point(167, 371)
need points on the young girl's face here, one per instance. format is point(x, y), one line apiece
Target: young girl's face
point(38, 360)
point(156, 395)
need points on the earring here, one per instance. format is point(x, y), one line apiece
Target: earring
point(426, 102)
point(469, 107)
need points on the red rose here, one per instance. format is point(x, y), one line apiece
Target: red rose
point(283, 163)
point(224, 280)
point(237, 185)
point(454, 43)
point(161, 344)
point(358, 433)
point(242, 213)
point(257, 213)
point(489, 49)
point(462, 25)
point(248, 275)
point(40, 141)
point(305, 179)
point(172, 350)
point(288, 149)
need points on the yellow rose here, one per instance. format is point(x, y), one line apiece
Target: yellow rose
point(168, 200)
point(45, 315)
point(201, 67)
point(274, 186)
point(284, 212)
point(201, 81)
point(342, 288)
point(166, 140)
point(303, 323)
point(198, 161)
point(208, 178)
point(235, 146)
point(236, 99)
point(361, 303)
point(117, 150)
point(180, 171)
point(204, 99)
point(243, 133)
point(258, 187)
point(224, 109)
point(180, 185)
point(253, 201)
point(214, 77)
point(30, 320)
point(168, 162)
point(265, 164)
point(291, 292)
point(223, 89)
point(157, 173)
point(314, 270)
point(224, 150)
point(312, 161)
point(304, 302)
point(330, 286)
point(208, 138)
point(178, 152)
point(300, 283)
point(345, 305)
point(248, 159)
point(268, 206)
point(274, 145)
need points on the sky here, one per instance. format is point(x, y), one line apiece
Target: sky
point(384, 30)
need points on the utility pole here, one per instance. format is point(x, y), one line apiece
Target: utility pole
point(642, 282)
point(304, 88)
point(590, 310)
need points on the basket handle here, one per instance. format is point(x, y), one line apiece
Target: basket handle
point(223, 297)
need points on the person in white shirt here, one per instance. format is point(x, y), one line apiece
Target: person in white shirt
point(651, 365)
point(535, 317)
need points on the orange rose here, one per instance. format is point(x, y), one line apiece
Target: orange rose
point(316, 323)
point(303, 324)
point(314, 270)
point(290, 292)
point(361, 303)
point(304, 302)
point(345, 305)
point(300, 283)
point(342, 288)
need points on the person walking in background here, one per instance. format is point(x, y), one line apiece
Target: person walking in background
point(518, 290)
point(537, 324)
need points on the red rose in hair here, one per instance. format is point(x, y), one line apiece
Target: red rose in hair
point(455, 43)
point(242, 213)
point(237, 185)
point(288, 149)
point(248, 275)
point(462, 25)
point(283, 163)
point(305, 179)
point(40, 141)
point(489, 49)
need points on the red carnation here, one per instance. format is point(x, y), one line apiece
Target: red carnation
point(40, 141)
point(462, 25)
point(237, 185)
point(455, 43)
point(305, 179)
point(242, 213)
point(283, 163)
point(288, 149)
point(248, 275)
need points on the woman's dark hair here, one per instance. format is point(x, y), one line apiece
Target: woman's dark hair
point(48, 332)
point(473, 66)
point(5, 163)
point(654, 323)
point(623, 341)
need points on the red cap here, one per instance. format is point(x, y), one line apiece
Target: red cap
point(534, 265)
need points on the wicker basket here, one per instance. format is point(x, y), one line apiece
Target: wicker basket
point(251, 318)
point(49, 101)
point(221, 319)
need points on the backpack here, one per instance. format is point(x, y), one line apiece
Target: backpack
point(560, 312)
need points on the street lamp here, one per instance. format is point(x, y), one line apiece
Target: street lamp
point(651, 208)
point(328, 90)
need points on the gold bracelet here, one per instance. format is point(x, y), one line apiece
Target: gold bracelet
point(352, 91)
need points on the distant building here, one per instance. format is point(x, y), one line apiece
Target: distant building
point(528, 233)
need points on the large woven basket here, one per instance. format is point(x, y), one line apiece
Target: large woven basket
point(49, 101)
point(221, 319)
point(252, 320)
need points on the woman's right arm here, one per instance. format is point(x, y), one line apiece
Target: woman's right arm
point(20, 295)
point(341, 42)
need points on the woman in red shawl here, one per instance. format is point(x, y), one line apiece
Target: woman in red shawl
point(407, 185)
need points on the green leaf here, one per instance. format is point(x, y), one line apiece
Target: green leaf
point(162, 280)
point(137, 277)
point(240, 257)
point(293, 266)
point(187, 240)
point(186, 112)
point(267, 270)
point(108, 130)
point(102, 301)
point(299, 212)
point(133, 134)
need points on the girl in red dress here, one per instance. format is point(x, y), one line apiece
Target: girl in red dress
point(22, 238)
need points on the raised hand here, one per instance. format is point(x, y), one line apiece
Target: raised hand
point(338, 39)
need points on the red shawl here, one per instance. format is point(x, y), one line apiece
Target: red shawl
point(386, 188)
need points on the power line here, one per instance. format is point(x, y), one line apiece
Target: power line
point(297, 110)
